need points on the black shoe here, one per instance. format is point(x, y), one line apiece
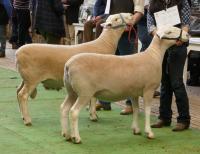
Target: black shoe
point(100, 106)
point(161, 123)
point(2, 54)
point(156, 94)
point(181, 126)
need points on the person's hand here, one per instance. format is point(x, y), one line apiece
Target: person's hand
point(65, 6)
point(179, 43)
point(64, 1)
point(95, 19)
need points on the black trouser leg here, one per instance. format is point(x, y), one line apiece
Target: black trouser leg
point(176, 65)
point(23, 18)
point(166, 93)
point(172, 82)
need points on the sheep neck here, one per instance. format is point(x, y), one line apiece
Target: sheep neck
point(110, 38)
point(158, 48)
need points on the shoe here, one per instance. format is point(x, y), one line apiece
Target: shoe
point(156, 94)
point(14, 46)
point(181, 126)
point(100, 106)
point(2, 54)
point(127, 110)
point(161, 123)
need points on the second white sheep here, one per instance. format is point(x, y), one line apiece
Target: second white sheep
point(114, 78)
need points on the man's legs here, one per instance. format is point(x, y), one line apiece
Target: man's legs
point(2, 40)
point(88, 31)
point(23, 19)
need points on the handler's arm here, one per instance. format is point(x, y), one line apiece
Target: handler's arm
point(138, 10)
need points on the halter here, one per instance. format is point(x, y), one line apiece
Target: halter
point(175, 38)
point(123, 22)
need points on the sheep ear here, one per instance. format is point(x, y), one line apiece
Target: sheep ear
point(160, 34)
point(106, 25)
point(103, 25)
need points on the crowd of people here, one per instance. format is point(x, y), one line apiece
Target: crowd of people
point(45, 17)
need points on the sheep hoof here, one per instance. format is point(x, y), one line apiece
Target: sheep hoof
point(136, 132)
point(150, 135)
point(28, 124)
point(94, 120)
point(76, 140)
point(63, 134)
point(69, 139)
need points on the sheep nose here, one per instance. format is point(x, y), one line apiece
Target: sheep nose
point(187, 35)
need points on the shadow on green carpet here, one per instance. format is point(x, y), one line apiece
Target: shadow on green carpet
point(110, 135)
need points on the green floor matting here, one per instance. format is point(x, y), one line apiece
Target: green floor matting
point(110, 135)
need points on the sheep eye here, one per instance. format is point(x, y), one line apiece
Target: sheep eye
point(169, 32)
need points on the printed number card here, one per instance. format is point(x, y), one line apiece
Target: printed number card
point(169, 17)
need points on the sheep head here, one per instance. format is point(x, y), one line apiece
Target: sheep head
point(172, 33)
point(118, 20)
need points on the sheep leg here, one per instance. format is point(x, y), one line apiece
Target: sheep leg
point(135, 125)
point(74, 112)
point(64, 110)
point(92, 110)
point(147, 108)
point(18, 90)
point(22, 96)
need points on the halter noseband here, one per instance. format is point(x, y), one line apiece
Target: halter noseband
point(175, 38)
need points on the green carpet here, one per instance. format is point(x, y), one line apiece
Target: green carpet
point(111, 135)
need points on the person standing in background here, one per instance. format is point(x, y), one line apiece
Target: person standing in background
point(48, 20)
point(95, 22)
point(71, 14)
point(5, 13)
point(23, 20)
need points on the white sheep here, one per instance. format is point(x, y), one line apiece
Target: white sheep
point(114, 78)
point(45, 63)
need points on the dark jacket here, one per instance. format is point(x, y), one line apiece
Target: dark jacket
point(99, 7)
point(3, 15)
point(121, 6)
point(49, 17)
point(72, 11)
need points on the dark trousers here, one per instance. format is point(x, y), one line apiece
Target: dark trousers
point(2, 39)
point(172, 82)
point(14, 36)
point(23, 19)
point(88, 30)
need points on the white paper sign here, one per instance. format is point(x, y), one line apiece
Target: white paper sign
point(146, 2)
point(107, 10)
point(169, 17)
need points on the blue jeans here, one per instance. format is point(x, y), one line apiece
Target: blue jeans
point(2, 38)
point(143, 34)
